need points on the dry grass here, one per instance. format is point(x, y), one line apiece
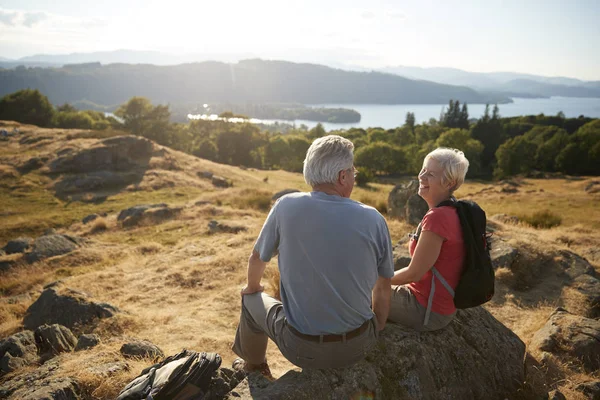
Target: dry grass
point(178, 286)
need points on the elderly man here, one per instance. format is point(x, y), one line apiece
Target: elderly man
point(335, 263)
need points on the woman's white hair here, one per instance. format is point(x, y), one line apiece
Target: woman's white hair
point(454, 164)
point(326, 157)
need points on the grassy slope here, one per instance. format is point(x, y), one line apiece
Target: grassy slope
point(179, 286)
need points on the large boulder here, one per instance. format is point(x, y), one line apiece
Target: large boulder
point(475, 357)
point(219, 181)
point(141, 348)
point(121, 153)
point(43, 383)
point(93, 181)
point(54, 339)
point(87, 342)
point(575, 265)
point(571, 337)
point(52, 245)
point(16, 351)
point(502, 253)
point(154, 213)
point(64, 306)
point(404, 203)
point(583, 294)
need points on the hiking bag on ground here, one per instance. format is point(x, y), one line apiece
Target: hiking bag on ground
point(183, 376)
point(476, 285)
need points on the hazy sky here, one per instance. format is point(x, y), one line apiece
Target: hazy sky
point(548, 37)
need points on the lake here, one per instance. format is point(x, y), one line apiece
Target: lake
point(391, 116)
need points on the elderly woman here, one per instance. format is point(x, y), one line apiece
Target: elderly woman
point(438, 242)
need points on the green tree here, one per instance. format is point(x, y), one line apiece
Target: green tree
point(461, 139)
point(28, 107)
point(143, 119)
point(381, 157)
point(514, 157)
point(410, 122)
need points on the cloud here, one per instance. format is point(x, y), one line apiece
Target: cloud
point(367, 15)
point(8, 17)
point(32, 18)
point(397, 15)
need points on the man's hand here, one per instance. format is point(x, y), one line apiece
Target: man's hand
point(382, 297)
point(251, 289)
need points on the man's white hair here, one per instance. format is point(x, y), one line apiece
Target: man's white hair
point(454, 164)
point(326, 157)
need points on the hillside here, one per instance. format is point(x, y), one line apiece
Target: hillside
point(175, 276)
point(508, 83)
point(252, 81)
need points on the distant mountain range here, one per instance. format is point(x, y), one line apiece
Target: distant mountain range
point(248, 81)
point(509, 83)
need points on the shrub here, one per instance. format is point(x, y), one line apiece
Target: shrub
point(365, 175)
point(542, 219)
point(99, 225)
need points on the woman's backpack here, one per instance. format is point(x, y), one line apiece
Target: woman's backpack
point(476, 285)
point(183, 376)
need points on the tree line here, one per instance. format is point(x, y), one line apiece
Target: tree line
point(495, 146)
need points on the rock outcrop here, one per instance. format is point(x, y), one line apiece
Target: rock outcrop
point(54, 339)
point(571, 337)
point(64, 306)
point(475, 357)
point(141, 348)
point(17, 351)
point(404, 203)
point(19, 245)
point(155, 213)
point(120, 153)
point(52, 245)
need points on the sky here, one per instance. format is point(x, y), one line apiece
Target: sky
point(551, 38)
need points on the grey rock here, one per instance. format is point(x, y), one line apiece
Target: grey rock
point(590, 389)
point(87, 342)
point(570, 336)
point(219, 227)
point(205, 174)
point(41, 384)
point(589, 288)
point(92, 181)
point(148, 214)
point(65, 307)
point(32, 164)
point(16, 351)
point(475, 357)
point(109, 368)
point(401, 256)
point(398, 200)
point(137, 210)
point(575, 265)
point(142, 349)
point(18, 245)
point(502, 253)
point(556, 395)
point(221, 182)
point(5, 265)
point(592, 187)
point(282, 193)
point(54, 339)
point(89, 218)
point(121, 153)
point(50, 246)
point(416, 208)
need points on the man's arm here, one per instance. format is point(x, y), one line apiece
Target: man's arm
point(256, 269)
point(382, 297)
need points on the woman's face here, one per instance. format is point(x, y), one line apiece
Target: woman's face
point(431, 188)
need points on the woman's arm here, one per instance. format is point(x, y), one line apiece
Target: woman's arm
point(426, 254)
